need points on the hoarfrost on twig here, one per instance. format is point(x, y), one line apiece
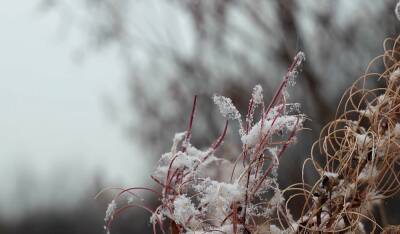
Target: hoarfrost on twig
point(226, 107)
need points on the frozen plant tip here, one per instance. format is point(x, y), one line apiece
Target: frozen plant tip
point(195, 196)
point(226, 107)
point(110, 211)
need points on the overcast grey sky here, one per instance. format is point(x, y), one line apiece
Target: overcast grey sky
point(52, 118)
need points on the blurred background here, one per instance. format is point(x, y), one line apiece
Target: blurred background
point(92, 91)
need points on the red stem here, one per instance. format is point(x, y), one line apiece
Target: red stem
point(189, 128)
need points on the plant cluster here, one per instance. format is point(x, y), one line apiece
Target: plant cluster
point(356, 158)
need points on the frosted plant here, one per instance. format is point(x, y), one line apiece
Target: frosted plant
point(194, 201)
point(110, 211)
point(257, 94)
point(356, 158)
point(226, 107)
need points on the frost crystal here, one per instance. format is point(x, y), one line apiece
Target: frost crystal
point(275, 230)
point(362, 140)
point(331, 174)
point(226, 107)
point(211, 189)
point(277, 199)
point(396, 74)
point(257, 94)
point(218, 196)
point(185, 212)
point(110, 211)
point(299, 58)
point(396, 130)
point(177, 138)
point(272, 126)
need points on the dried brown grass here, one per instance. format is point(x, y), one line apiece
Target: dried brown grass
point(357, 154)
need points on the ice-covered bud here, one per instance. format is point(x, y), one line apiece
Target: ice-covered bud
point(110, 210)
point(257, 94)
point(226, 107)
point(293, 73)
point(184, 211)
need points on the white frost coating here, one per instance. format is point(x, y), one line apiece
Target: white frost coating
point(130, 200)
point(177, 138)
point(218, 196)
point(380, 99)
point(396, 130)
point(158, 215)
point(110, 210)
point(185, 212)
point(228, 192)
point(397, 10)
point(274, 152)
point(226, 228)
point(178, 159)
point(270, 126)
point(367, 112)
point(362, 140)
point(299, 58)
point(361, 228)
point(226, 107)
point(372, 109)
point(368, 172)
point(181, 160)
point(257, 94)
point(275, 230)
point(188, 160)
point(395, 75)
point(277, 199)
point(331, 174)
